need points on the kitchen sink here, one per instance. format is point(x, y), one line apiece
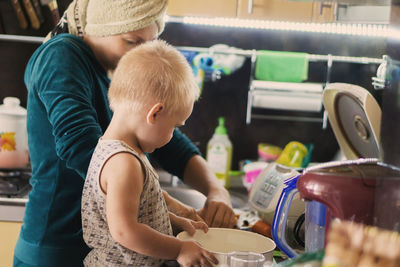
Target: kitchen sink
point(196, 199)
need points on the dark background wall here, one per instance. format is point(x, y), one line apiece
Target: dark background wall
point(391, 99)
point(228, 96)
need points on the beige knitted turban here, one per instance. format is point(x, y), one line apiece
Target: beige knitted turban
point(109, 17)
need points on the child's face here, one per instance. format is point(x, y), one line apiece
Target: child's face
point(160, 133)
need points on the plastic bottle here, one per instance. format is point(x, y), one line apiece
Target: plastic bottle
point(219, 153)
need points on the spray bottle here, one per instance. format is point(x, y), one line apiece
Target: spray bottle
point(219, 153)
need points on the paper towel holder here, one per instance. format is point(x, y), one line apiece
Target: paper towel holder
point(283, 89)
point(286, 96)
point(329, 62)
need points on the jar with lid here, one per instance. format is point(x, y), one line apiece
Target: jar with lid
point(13, 135)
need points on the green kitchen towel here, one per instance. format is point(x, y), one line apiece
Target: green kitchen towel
point(280, 66)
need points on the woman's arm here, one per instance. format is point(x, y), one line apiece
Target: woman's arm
point(174, 156)
point(182, 158)
point(60, 74)
point(217, 211)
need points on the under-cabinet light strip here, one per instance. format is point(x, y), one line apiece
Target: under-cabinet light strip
point(394, 33)
point(370, 30)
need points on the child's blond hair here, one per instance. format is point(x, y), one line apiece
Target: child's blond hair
point(150, 73)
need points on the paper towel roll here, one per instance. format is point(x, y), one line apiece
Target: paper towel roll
point(311, 102)
point(314, 88)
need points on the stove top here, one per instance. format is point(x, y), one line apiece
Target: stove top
point(14, 183)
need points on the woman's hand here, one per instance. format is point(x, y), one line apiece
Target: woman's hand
point(217, 211)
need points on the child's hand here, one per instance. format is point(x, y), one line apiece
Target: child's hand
point(191, 254)
point(190, 226)
point(180, 209)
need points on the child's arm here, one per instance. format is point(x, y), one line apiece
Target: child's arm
point(122, 179)
point(180, 209)
point(125, 178)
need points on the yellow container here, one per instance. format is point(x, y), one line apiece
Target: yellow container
point(293, 154)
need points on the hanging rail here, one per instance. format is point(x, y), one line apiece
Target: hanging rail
point(247, 53)
point(310, 57)
point(21, 38)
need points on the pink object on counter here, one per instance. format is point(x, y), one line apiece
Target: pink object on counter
point(251, 176)
point(252, 171)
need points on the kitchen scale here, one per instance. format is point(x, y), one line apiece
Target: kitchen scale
point(266, 190)
point(265, 195)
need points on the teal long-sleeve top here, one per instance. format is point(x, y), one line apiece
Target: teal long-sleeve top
point(68, 111)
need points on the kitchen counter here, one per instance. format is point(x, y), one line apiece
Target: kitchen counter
point(12, 208)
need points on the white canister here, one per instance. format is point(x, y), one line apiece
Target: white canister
point(13, 135)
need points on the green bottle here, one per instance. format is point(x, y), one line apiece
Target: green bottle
point(219, 153)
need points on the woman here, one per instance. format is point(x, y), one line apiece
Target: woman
point(67, 80)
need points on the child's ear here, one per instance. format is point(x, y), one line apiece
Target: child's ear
point(154, 113)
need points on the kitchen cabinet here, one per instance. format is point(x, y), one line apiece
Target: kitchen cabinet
point(9, 234)
point(324, 12)
point(363, 14)
point(280, 10)
point(204, 8)
point(350, 11)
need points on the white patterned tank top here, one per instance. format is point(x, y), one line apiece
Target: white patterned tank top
point(152, 211)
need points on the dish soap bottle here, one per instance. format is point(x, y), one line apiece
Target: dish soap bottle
point(219, 153)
